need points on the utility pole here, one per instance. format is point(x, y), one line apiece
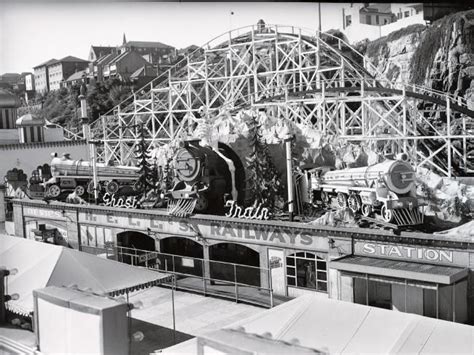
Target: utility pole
point(87, 136)
point(319, 16)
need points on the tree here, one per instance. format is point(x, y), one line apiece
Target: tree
point(104, 96)
point(147, 173)
point(264, 180)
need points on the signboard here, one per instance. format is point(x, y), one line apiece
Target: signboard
point(413, 253)
point(43, 213)
point(235, 232)
point(187, 262)
point(147, 256)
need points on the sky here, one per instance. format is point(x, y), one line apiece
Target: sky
point(34, 32)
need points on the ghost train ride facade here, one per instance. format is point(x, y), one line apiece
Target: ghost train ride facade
point(411, 272)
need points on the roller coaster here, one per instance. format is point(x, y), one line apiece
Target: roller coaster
point(302, 76)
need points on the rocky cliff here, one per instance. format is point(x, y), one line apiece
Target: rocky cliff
point(439, 56)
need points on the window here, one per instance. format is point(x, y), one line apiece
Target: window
point(377, 19)
point(399, 15)
point(369, 20)
point(306, 270)
point(348, 20)
point(407, 13)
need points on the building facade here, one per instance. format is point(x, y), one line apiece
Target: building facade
point(123, 65)
point(374, 20)
point(41, 79)
point(412, 272)
point(152, 52)
point(62, 69)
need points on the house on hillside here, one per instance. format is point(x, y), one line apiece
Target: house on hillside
point(152, 52)
point(132, 57)
point(97, 52)
point(42, 76)
point(62, 69)
point(75, 79)
point(123, 65)
point(375, 20)
point(143, 76)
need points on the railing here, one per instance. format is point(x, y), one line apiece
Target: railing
point(241, 283)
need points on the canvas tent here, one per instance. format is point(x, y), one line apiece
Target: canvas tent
point(40, 265)
point(342, 327)
point(336, 327)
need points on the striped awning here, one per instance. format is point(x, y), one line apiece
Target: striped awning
point(40, 265)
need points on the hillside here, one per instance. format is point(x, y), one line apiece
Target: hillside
point(440, 56)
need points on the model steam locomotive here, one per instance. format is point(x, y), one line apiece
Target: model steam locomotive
point(387, 188)
point(207, 175)
point(77, 175)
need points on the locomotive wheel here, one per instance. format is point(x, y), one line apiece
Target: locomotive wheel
point(54, 191)
point(80, 190)
point(201, 203)
point(342, 200)
point(366, 210)
point(325, 197)
point(387, 214)
point(354, 202)
point(112, 187)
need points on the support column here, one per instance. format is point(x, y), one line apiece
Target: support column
point(207, 265)
point(73, 229)
point(3, 206)
point(264, 266)
point(19, 220)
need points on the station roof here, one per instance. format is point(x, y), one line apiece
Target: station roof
point(401, 269)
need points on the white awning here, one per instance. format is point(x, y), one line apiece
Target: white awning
point(400, 269)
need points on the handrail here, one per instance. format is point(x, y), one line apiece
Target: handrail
point(71, 135)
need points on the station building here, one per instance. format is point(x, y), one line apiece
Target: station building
point(425, 274)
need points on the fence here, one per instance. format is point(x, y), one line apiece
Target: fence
point(238, 282)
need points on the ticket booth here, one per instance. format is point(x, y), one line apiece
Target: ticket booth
point(428, 289)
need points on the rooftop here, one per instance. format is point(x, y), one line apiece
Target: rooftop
point(71, 58)
point(146, 44)
point(77, 75)
point(49, 62)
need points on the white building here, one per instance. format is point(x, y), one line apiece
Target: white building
point(375, 20)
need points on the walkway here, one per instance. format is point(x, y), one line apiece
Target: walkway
point(195, 314)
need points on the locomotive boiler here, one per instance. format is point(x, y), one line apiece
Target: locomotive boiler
point(387, 188)
point(77, 175)
point(206, 176)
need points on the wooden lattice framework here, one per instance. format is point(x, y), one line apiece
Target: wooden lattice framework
point(302, 76)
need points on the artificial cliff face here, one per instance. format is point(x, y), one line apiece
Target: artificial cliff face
point(440, 56)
